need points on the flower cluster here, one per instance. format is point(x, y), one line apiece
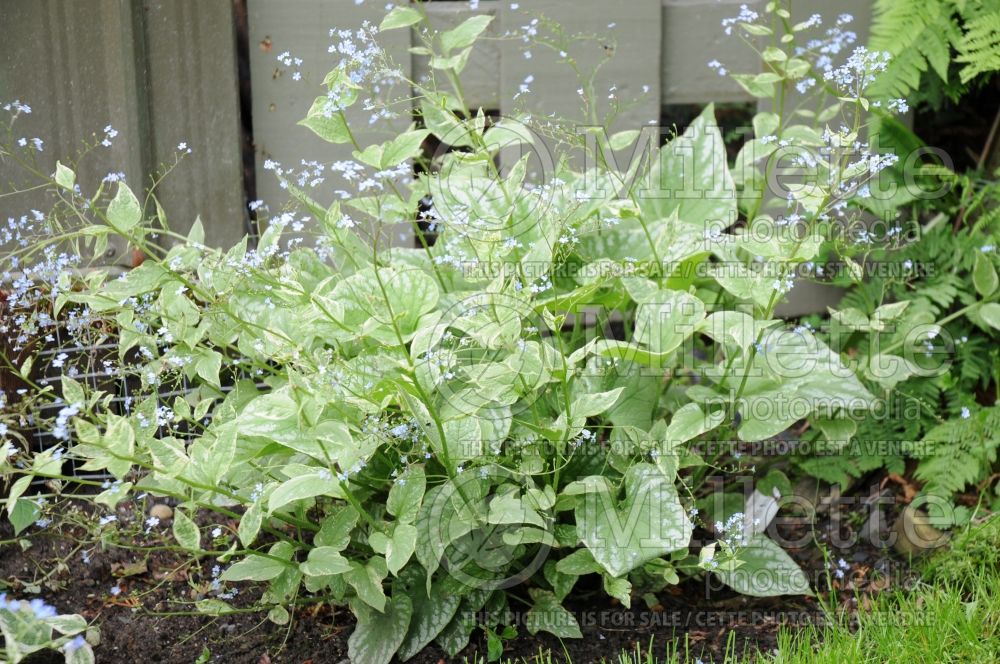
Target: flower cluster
point(860, 71)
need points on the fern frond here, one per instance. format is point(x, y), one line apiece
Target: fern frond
point(918, 36)
point(979, 48)
point(959, 452)
point(974, 361)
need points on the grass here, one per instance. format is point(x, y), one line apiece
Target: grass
point(929, 624)
point(952, 615)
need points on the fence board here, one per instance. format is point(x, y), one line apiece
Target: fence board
point(164, 71)
point(693, 36)
point(159, 73)
point(629, 27)
point(78, 66)
point(280, 102)
point(480, 84)
point(193, 96)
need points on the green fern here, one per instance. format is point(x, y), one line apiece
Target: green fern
point(919, 36)
point(959, 452)
point(972, 357)
point(979, 49)
point(857, 459)
point(923, 36)
point(954, 451)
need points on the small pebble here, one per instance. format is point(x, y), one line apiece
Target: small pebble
point(161, 512)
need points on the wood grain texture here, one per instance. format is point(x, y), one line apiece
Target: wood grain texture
point(193, 97)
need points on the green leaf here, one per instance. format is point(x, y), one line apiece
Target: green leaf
point(547, 614)
point(400, 547)
point(795, 369)
point(16, 491)
point(325, 561)
point(890, 311)
point(400, 17)
point(82, 655)
point(72, 391)
point(465, 34)
point(732, 326)
point(250, 523)
point(336, 530)
point(455, 636)
point(432, 612)
point(690, 422)
point(650, 522)
point(889, 370)
point(578, 563)
point(588, 405)
point(208, 365)
point(408, 294)
point(796, 68)
point(765, 124)
point(22, 513)
point(65, 177)
point(406, 495)
point(984, 275)
point(197, 233)
point(623, 139)
point(758, 30)
point(756, 87)
point(438, 117)
point(620, 589)
point(310, 485)
point(367, 583)
point(507, 132)
point(273, 416)
point(456, 62)
point(990, 313)
point(561, 583)
point(588, 484)
point(691, 177)
point(124, 212)
point(186, 531)
point(214, 453)
point(742, 282)
point(508, 508)
point(626, 353)
point(112, 496)
point(377, 636)
point(213, 607)
point(766, 571)
point(665, 321)
point(254, 567)
point(772, 54)
point(403, 147)
point(327, 122)
point(278, 615)
point(67, 624)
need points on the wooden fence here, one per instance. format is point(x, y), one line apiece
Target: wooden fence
point(164, 72)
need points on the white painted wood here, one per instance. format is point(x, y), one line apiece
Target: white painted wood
point(77, 67)
point(193, 97)
point(480, 83)
point(692, 37)
point(302, 28)
point(627, 29)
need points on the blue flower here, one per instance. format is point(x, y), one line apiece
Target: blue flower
point(77, 643)
point(41, 609)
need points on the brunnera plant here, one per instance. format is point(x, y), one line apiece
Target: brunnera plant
point(426, 434)
point(32, 626)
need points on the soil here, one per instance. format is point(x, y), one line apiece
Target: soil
point(154, 582)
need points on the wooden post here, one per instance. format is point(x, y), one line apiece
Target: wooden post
point(78, 66)
point(193, 97)
point(279, 102)
point(159, 73)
